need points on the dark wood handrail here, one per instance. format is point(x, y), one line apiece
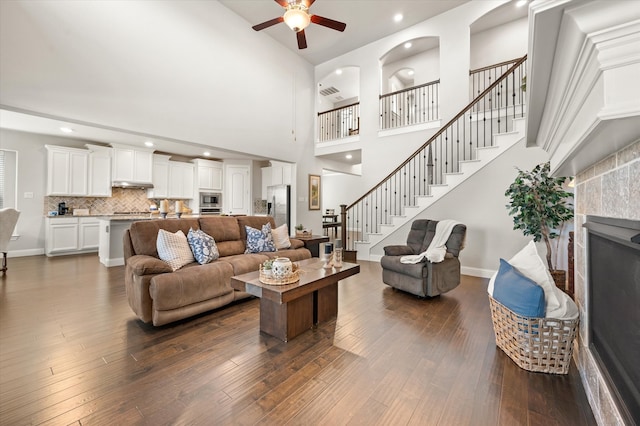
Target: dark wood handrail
point(488, 67)
point(410, 88)
point(443, 128)
point(339, 108)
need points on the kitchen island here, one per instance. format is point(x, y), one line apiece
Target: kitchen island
point(112, 228)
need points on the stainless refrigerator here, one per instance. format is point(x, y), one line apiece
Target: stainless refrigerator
point(279, 204)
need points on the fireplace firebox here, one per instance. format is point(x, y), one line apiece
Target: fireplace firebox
point(614, 308)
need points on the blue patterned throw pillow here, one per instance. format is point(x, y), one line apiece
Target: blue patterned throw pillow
point(203, 246)
point(259, 240)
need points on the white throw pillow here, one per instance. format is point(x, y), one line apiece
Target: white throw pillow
point(528, 262)
point(281, 237)
point(174, 249)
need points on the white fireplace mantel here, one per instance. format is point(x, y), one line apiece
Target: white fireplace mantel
point(583, 80)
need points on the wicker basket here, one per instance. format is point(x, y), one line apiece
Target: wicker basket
point(542, 345)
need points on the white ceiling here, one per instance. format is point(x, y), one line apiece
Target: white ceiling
point(366, 21)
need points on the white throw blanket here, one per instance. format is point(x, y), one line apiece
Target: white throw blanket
point(436, 251)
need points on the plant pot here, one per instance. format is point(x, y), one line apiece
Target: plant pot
point(559, 278)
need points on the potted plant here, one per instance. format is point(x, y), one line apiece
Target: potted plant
point(538, 204)
point(301, 231)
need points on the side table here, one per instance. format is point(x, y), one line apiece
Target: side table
point(313, 242)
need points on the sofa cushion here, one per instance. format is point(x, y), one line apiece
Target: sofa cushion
point(226, 231)
point(174, 249)
point(190, 285)
point(259, 240)
point(254, 222)
point(518, 293)
point(144, 233)
point(292, 254)
point(296, 243)
point(203, 246)
point(243, 263)
point(281, 237)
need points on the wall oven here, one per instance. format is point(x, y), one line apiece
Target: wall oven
point(210, 203)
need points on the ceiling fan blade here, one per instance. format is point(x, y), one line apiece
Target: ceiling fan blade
point(302, 39)
point(329, 23)
point(308, 3)
point(283, 3)
point(269, 23)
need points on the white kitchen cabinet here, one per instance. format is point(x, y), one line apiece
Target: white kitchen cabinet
point(99, 183)
point(88, 233)
point(181, 180)
point(71, 235)
point(238, 189)
point(160, 177)
point(67, 171)
point(132, 164)
point(209, 174)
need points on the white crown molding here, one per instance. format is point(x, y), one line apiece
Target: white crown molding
point(591, 106)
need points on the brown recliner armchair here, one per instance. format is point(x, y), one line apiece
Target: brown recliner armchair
point(424, 279)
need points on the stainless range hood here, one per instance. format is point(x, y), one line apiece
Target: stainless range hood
point(134, 185)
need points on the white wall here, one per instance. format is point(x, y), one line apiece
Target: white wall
point(426, 67)
point(187, 70)
point(32, 174)
point(499, 44)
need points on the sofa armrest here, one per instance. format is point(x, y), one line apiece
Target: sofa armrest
point(295, 243)
point(143, 265)
point(397, 250)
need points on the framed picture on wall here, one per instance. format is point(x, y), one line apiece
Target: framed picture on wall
point(314, 192)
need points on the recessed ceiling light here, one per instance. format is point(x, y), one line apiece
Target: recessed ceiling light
point(348, 156)
point(407, 45)
point(338, 71)
point(148, 143)
point(398, 17)
point(66, 129)
point(410, 72)
point(206, 153)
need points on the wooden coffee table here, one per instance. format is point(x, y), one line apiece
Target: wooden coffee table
point(289, 310)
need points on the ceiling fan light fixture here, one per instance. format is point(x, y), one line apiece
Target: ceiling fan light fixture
point(296, 17)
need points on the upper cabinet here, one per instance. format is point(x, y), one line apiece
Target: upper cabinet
point(132, 164)
point(209, 174)
point(67, 171)
point(160, 177)
point(278, 173)
point(180, 180)
point(99, 174)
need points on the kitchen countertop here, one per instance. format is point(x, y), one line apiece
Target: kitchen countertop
point(124, 217)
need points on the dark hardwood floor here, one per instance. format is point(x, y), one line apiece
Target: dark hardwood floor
point(72, 352)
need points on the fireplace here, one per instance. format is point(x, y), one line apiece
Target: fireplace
point(614, 314)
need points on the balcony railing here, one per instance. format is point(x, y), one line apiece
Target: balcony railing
point(339, 123)
point(481, 78)
point(414, 105)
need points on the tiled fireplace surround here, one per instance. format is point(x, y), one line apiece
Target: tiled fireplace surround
point(609, 188)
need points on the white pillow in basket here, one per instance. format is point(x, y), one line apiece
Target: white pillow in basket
point(529, 263)
point(281, 237)
point(174, 249)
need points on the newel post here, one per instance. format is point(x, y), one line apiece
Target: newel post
point(343, 227)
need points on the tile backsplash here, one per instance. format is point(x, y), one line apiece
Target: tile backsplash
point(121, 200)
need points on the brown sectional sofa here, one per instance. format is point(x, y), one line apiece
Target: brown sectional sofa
point(158, 295)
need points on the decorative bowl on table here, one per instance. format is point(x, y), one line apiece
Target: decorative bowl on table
point(279, 271)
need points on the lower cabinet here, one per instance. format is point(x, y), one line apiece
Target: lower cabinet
point(71, 235)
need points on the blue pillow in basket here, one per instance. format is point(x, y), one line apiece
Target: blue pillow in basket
point(518, 293)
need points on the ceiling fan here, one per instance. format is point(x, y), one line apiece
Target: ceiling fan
point(297, 17)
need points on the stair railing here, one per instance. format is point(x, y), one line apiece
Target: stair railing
point(491, 112)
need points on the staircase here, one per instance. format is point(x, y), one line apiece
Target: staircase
point(491, 124)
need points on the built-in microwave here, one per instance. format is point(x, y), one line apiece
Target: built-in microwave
point(210, 199)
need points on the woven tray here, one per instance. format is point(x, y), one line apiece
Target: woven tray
point(294, 277)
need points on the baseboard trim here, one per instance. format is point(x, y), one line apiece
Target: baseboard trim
point(25, 253)
point(477, 272)
point(118, 261)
